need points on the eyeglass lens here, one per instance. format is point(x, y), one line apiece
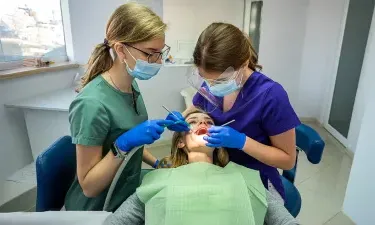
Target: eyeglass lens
point(154, 57)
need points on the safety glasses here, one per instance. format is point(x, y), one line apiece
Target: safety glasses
point(198, 84)
point(153, 57)
point(228, 75)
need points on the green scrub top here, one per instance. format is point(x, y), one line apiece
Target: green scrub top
point(98, 115)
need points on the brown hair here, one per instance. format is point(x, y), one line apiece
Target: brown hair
point(223, 45)
point(179, 156)
point(129, 23)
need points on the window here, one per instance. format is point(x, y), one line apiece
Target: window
point(30, 28)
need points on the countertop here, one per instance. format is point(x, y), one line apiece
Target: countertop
point(54, 101)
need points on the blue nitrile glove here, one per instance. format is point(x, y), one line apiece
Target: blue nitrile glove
point(143, 134)
point(179, 127)
point(225, 137)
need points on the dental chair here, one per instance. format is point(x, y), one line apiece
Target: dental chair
point(55, 172)
point(307, 140)
point(56, 169)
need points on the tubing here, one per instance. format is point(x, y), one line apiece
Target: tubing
point(117, 176)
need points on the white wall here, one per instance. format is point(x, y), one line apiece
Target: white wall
point(281, 43)
point(164, 89)
point(88, 19)
point(360, 195)
point(300, 47)
point(324, 30)
point(320, 52)
point(15, 148)
point(187, 19)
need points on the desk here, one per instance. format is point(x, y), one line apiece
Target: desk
point(15, 196)
point(46, 117)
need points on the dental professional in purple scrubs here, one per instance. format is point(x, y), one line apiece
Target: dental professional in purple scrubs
point(262, 137)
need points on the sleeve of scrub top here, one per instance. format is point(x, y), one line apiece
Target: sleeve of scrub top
point(89, 122)
point(278, 115)
point(132, 211)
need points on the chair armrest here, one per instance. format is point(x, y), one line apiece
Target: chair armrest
point(309, 141)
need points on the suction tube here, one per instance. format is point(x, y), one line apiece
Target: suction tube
point(117, 177)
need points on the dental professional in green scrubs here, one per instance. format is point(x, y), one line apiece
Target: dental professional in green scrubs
point(108, 118)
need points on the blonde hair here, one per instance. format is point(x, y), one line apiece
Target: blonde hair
point(129, 23)
point(179, 156)
point(223, 45)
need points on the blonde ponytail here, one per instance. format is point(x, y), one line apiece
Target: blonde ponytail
point(99, 62)
point(129, 23)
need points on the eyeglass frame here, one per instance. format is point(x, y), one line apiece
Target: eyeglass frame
point(150, 54)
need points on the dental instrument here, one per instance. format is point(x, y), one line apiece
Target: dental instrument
point(179, 120)
point(227, 123)
point(170, 112)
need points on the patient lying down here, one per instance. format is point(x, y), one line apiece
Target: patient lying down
point(200, 186)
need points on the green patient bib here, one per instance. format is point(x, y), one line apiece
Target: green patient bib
point(202, 193)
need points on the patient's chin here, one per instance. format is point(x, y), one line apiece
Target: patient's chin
point(203, 149)
point(196, 143)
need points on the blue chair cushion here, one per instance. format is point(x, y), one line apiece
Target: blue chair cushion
point(293, 199)
point(55, 170)
point(310, 142)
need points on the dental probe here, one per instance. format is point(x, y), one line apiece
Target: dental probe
point(179, 120)
point(227, 123)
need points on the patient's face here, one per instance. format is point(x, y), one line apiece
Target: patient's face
point(193, 140)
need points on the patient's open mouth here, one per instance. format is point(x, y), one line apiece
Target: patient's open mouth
point(201, 131)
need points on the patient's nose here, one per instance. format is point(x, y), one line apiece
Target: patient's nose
point(203, 122)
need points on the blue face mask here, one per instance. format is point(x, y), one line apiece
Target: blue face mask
point(225, 88)
point(221, 90)
point(142, 69)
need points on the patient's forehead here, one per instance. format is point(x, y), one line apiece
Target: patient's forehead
point(200, 116)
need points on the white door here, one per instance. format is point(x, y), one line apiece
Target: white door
point(355, 32)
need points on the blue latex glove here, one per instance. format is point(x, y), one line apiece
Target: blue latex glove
point(143, 134)
point(181, 126)
point(225, 137)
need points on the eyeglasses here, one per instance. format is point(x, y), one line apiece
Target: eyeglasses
point(154, 56)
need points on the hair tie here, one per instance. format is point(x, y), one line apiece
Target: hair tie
point(106, 43)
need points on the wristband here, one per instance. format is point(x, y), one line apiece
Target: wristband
point(156, 164)
point(117, 152)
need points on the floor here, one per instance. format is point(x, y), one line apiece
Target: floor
point(321, 186)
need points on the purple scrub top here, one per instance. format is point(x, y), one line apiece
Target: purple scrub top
point(262, 109)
